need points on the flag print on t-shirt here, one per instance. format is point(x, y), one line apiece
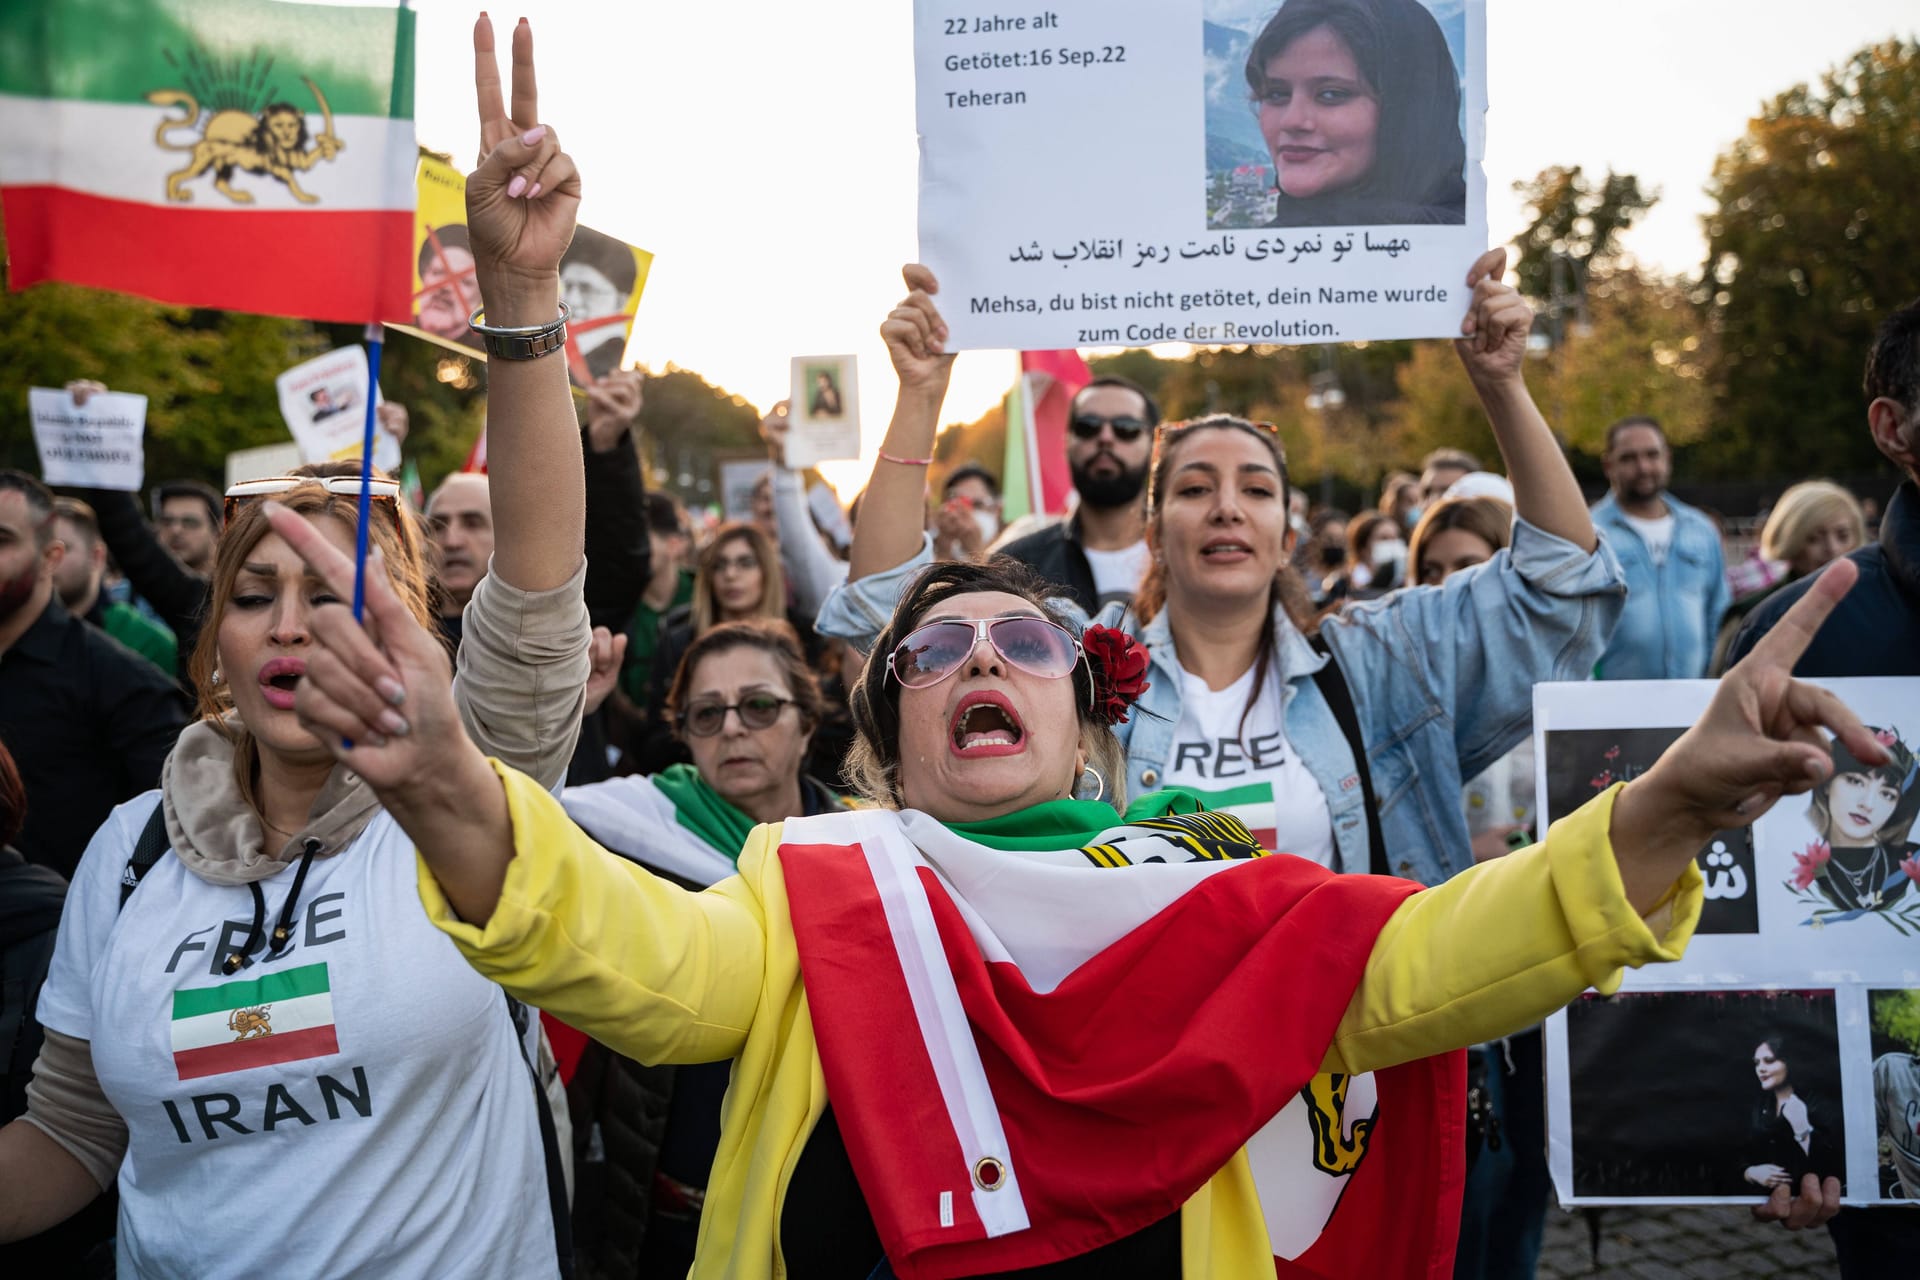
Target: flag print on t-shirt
point(1252, 804)
point(280, 1017)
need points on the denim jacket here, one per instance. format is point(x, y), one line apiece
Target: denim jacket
point(1673, 612)
point(1441, 677)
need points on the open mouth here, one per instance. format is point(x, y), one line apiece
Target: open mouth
point(985, 724)
point(1225, 549)
point(279, 678)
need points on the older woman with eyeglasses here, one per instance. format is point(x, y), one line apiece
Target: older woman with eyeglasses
point(984, 1027)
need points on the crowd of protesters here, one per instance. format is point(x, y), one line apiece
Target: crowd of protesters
point(243, 1030)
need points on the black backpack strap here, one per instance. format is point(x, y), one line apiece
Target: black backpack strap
point(1333, 687)
point(519, 1014)
point(147, 850)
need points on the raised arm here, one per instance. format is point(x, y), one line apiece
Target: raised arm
point(1494, 351)
point(893, 512)
point(619, 554)
point(812, 571)
point(521, 204)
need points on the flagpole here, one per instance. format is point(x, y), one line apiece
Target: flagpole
point(374, 346)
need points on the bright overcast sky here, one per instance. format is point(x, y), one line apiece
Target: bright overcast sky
point(765, 151)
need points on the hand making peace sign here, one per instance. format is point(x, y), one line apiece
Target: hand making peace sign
point(523, 198)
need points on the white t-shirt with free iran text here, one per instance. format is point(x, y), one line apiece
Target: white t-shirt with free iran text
point(357, 1107)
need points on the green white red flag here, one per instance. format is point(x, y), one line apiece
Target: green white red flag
point(247, 155)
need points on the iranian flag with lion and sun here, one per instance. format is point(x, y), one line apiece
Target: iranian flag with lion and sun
point(240, 154)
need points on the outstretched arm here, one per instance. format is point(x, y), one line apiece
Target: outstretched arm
point(893, 512)
point(1494, 351)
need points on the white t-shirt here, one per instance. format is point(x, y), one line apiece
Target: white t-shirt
point(1252, 773)
point(358, 1106)
point(1117, 574)
point(1656, 533)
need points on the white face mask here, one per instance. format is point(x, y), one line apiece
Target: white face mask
point(989, 524)
point(1389, 551)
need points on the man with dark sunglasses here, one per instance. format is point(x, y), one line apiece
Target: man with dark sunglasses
point(1100, 552)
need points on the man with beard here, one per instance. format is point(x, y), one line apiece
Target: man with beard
point(79, 579)
point(1676, 577)
point(1099, 553)
point(88, 722)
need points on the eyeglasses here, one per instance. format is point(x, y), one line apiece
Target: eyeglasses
point(757, 711)
point(933, 652)
point(386, 491)
point(1125, 430)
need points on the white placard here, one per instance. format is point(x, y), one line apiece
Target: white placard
point(96, 445)
point(1809, 938)
point(823, 411)
point(325, 402)
point(1103, 173)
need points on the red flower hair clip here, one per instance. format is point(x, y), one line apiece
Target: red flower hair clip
point(1118, 664)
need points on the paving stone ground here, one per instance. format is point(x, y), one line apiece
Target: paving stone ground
point(1699, 1243)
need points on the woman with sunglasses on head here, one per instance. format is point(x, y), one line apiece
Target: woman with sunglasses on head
point(1346, 742)
point(244, 1009)
point(985, 1027)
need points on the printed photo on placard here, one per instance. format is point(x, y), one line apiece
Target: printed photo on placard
point(1334, 117)
point(1711, 1094)
point(824, 411)
point(1894, 1017)
point(1854, 862)
point(1582, 763)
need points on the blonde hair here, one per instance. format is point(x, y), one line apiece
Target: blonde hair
point(1486, 518)
point(391, 528)
point(1802, 511)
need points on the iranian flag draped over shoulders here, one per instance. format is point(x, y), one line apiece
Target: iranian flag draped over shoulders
point(247, 155)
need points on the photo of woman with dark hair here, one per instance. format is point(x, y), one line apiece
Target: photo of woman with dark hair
point(1791, 1134)
point(1862, 861)
point(1358, 102)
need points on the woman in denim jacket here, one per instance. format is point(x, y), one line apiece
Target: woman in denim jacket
point(1247, 694)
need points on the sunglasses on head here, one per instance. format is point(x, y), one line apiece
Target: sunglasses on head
point(384, 491)
point(756, 710)
point(1125, 429)
point(931, 653)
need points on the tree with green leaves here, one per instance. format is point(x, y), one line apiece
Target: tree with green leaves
point(1574, 232)
point(1813, 240)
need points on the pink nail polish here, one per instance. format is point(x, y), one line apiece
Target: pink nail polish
point(515, 187)
point(533, 192)
point(533, 135)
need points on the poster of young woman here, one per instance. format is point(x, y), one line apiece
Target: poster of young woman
point(1789, 994)
point(1125, 172)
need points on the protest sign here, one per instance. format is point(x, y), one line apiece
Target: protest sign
point(1125, 172)
point(1775, 1047)
point(601, 280)
point(739, 477)
point(823, 411)
point(96, 445)
point(324, 402)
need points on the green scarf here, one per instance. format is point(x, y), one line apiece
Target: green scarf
point(702, 811)
point(1069, 824)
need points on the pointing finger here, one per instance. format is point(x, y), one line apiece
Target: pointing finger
point(1783, 646)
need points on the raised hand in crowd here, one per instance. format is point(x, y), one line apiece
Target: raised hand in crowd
point(392, 419)
point(613, 406)
point(893, 508)
point(956, 534)
point(1493, 347)
point(606, 654)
